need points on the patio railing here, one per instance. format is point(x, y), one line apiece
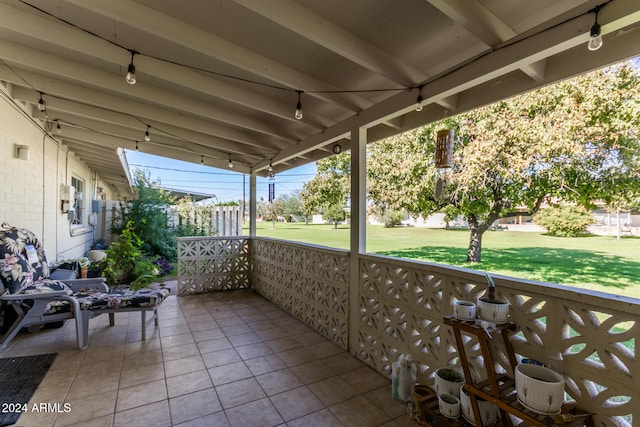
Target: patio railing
point(401, 305)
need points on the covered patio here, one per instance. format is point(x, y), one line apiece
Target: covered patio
point(218, 83)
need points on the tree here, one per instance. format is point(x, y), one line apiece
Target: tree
point(576, 141)
point(564, 220)
point(330, 188)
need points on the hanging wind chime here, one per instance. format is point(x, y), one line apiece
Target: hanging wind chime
point(444, 156)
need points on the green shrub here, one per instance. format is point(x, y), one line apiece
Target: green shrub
point(564, 221)
point(392, 218)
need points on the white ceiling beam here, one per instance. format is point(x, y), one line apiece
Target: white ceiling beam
point(166, 27)
point(146, 112)
point(295, 17)
point(449, 103)
point(33, 26)
point(64, 69)
point(535, 70)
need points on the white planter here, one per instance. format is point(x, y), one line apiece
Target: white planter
point(539, 389)
point(488, 412)
point(448, 381)
point(97, 254)
point(493, 311)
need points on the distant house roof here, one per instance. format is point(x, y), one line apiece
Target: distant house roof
point(192, 194)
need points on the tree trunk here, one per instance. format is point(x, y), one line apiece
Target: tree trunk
point(475, 239)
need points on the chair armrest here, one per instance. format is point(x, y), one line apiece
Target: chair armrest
point(41, 295)
point(94, 283)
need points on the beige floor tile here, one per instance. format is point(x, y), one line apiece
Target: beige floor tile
point(253, 350)
point(297, 356)
point(323, 349)
point(180, 352)
point(142, 374)
point(193, 406)
point(239, 329)
point(322, 418)
point(381, 397)
point(279, 381)
point(221, 357)
point(259, 413)
point(188, 383)
point(359, 412)
point(174, 340)
point(342, 362)
point(208, 334)
point(228, 373)
point(283, 344)
point(313, 371)
point(402, 421)
point(365, 379)
point(333, 390)
point(214, 345)
point(262, 365)
point(141, 394)
point(169, 329)
point(156, 415)
point(87, 384)
point(183, 366)
point(88, 408)
point(244, 339)
point(105, 421)
point(239, 392)
point(219, 419)
point(39, 419)
point(296, 403)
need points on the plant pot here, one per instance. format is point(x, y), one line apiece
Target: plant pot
point(448, 381)
point(493, 311)
point(539, 388)
point(488, 412)
point(97, 254)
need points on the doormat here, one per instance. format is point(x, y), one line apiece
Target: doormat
point(19, 379)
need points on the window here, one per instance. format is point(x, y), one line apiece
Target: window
point(78, 203)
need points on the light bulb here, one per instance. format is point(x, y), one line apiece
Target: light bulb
point(298, 114)
point(131, 73)
point(419, 103)
point(201, 159)
point(230, 164)
point(41, 105)
point(58, 129)
point(270, 167)
point(147, 138)
point(136, 145)
point(595, 42)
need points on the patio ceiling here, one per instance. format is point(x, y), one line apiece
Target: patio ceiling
point(218, 79)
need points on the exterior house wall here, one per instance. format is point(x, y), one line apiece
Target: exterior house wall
point(30, 189)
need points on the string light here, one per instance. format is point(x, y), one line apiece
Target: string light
point(270, 166)
point(595, 41)
point(230, 162)
point(419, 99)
point(136, 145)
point(147, 137)
point(298, 114)
point(131, 70)
point(58, 128)
point(41, 104)
point(201, 159)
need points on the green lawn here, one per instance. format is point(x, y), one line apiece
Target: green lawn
point(593, 262)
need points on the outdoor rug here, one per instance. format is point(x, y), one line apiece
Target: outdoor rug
point(19, 379)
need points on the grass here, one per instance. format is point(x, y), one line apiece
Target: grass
point(600, 263)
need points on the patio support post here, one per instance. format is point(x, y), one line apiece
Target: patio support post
point(252, 204)
point(358, 227)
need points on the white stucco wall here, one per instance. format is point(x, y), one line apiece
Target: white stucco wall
point(30, 189)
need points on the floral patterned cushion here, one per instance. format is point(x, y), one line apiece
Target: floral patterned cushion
point(121, 298)
point(22, 259)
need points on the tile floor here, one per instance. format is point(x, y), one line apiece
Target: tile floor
point(220, 359)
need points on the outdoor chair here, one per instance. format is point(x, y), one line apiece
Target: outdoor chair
point(30, 296)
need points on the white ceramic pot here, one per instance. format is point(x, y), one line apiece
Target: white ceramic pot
point(448, 381)
point(449, 405)
point(539, 388)
point(488, 412)
point(493, 311)
point(97, 254)
point(464, 310)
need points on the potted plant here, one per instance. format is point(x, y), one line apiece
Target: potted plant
point(448, 381)
point(126, 263)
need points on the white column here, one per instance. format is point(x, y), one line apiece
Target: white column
point(252, 204)
point(358, 227)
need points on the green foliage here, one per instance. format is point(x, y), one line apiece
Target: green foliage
point(392, 218)
point(330, 188)
point(575, 141)
point(335, 214)
point(147, 214)
point(564, 221)
point(126, 262)
point(195, 220)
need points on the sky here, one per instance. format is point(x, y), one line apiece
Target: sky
point(225, 184)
